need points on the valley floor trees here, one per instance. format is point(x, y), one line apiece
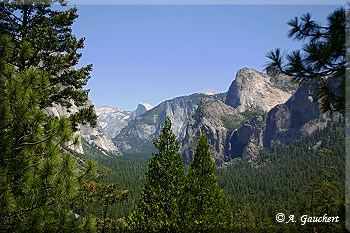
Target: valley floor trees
point(158, 209)
point(205, 205)
point(171, 202)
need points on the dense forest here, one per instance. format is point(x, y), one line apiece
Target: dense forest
point(281, 180)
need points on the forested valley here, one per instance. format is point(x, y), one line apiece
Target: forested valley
point(46, 185)
point(282, 180)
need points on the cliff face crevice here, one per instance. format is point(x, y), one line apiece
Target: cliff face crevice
point(210, 118)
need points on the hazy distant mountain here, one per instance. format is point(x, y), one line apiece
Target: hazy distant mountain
point(112, 120)
point(138, 135)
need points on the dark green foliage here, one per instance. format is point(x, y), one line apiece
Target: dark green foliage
point(38, 175)
point(158, 208)
point(42, 38)
point(279, 182)
point(322, 55)
point(249, 114)
point(244, 219)
point(205, 207)
point(324, 191)
point(105, 196)
point(42, 186)
point(233, 122)
point(128, 171)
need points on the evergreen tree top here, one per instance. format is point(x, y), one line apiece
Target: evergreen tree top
point(42, 38)
point(202, 162)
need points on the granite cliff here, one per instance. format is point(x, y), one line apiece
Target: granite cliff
point(254, 90)
point(296, 118)
point(112, 120)
point(138, 135)
point(250, 94)
point(95, 136)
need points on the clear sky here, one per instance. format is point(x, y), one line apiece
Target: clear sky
point(150, 53)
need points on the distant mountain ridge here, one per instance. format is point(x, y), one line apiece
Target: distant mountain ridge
point(258, 111)
point(218, 114)
point(112, 120)
point(138, 135)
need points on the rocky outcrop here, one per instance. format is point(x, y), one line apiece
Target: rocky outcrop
point(298, 117)
point(254, 90)
point(94, 136)
point(250, 94)
point(216, 119)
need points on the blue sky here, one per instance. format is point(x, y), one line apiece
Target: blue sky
point(150, 53)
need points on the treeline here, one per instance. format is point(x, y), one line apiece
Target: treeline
point(285, 179)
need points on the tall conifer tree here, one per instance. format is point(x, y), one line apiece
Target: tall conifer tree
point(42, 37)
point(206, 206)
point(158, 209)
point(39, 177)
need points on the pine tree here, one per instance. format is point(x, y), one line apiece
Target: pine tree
point(158, 210)
point(206, 206)
point(323, 55)
point(42, 37)
point(38, 175)
point(40, 179)
point(325, 197)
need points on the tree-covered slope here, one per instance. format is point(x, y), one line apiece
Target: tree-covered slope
point(279, 181)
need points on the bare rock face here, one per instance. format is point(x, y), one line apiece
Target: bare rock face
point(94, 136)
point(297, 118)
point(141, 109)
point(254, 90)
point(211, 116)
point(113, 120)
point(138, 135)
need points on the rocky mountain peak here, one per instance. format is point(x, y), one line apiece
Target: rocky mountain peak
point(254, 90)
point(142, 108)
point(112, 120)
point(208, 92)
